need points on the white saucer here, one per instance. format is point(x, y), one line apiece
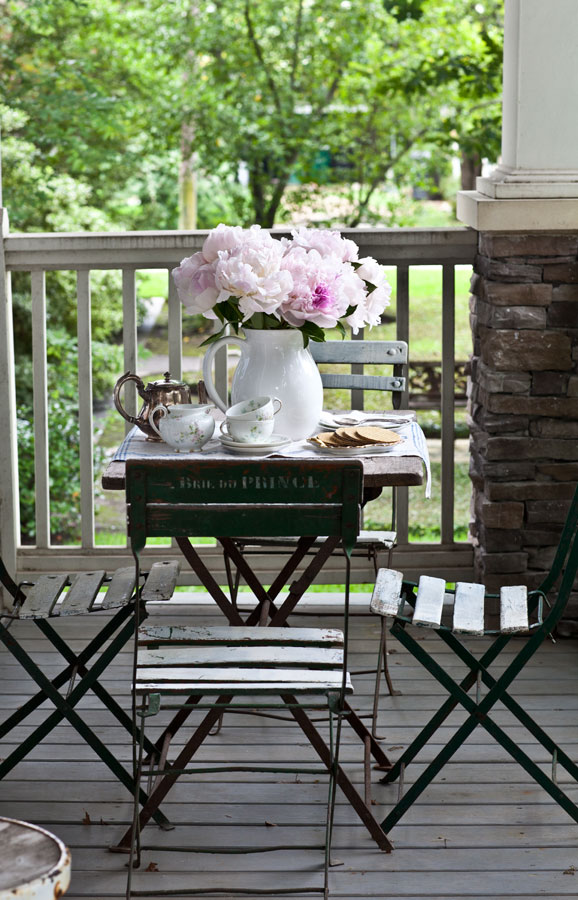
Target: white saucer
point(275, 442)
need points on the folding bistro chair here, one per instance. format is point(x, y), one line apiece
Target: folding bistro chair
point(226, 667)
point(521, 613)
point(54, 597)
point(369, 544)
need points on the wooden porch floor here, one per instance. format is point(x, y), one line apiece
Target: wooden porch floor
point(482, 830)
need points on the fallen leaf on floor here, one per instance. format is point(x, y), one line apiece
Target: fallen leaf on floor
point(271, 824)
point(86, 819)
point(152, 867)
point(570, 871)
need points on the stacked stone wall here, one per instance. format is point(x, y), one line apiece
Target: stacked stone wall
point(523, 401)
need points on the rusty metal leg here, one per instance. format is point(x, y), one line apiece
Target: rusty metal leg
point(175, 723)
point(299, 587)
point(169, 778)
point(360, 729)
point(233, 583)
point(322, 750)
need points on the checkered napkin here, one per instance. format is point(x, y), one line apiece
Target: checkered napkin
point(136, 446)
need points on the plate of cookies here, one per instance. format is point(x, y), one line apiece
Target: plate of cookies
point(356, 440)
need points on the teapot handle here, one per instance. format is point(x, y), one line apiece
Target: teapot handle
point(163, 411)
point(116, 396)
point(208, 368)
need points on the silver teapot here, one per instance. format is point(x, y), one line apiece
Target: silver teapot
point(167, 393)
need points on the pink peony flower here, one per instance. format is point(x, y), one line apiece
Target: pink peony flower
point(252, 273)
point(309, 278)
point(195, 283)
point(369, 312)
point(223, 237)
point(327, 243)
point(323, 288)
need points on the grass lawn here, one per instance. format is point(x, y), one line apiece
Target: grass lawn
point(425, 291)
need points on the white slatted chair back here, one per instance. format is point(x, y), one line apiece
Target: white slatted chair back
point(469, 613)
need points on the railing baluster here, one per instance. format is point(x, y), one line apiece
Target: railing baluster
point(357, 399)
point(175, 332)
point(402, 321)
point(40, 408)
point(129, 340)
point(8, 448)
point(85, 409)
point(447, 404)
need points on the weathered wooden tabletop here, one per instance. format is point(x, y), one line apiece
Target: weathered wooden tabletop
point(378, 471)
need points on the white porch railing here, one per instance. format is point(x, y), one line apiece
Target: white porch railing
point(129, 252)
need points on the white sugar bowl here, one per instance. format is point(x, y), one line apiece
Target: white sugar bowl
point(184, 426)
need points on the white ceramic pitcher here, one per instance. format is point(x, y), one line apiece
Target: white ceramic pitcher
point(274, 363)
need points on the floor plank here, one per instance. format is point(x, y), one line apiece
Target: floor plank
point(482, 815)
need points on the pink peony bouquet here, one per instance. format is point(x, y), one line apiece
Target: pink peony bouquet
point(312, 281)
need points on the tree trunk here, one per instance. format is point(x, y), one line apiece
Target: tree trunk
point(471, 168)
point(187, 181)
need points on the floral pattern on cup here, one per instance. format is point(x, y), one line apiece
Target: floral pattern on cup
point(260, 408)
point(247, 431)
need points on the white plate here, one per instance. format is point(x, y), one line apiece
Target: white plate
point(374, 450)
point(275, 441)
point(328, 421)
point(252, 450)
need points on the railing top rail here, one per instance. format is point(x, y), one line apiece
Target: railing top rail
point(160, 249)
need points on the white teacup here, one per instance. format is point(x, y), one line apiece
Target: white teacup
point(246, 430)
point(184, 426)
point(255, 408)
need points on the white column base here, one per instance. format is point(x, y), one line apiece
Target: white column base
point(537, 213)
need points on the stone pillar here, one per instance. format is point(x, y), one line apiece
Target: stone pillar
point(524, 305)
point(523, 402)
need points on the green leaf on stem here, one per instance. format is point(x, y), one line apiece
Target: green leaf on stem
point(313, 332)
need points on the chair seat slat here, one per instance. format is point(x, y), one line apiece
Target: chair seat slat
point(385, 539)
point(385, 599)
point(161, 581)
point(82, 594)
point(42, 596)
point(430, 601)
point(513, 609)
point(289, 687)
point(120, 589)
point(238, 680)
point(186, 655)
point(224, 634)
point(469, 608)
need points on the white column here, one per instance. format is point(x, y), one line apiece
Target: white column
point(538, 172)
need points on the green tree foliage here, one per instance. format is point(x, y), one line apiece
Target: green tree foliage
point(117, 90)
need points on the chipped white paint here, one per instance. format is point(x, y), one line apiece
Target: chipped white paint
point(430, 601)
point(469, 608)
point(386, 593)
point(513, 609)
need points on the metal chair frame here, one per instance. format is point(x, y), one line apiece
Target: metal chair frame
point(565, 565)
point(46, 599)
point(188, 499)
